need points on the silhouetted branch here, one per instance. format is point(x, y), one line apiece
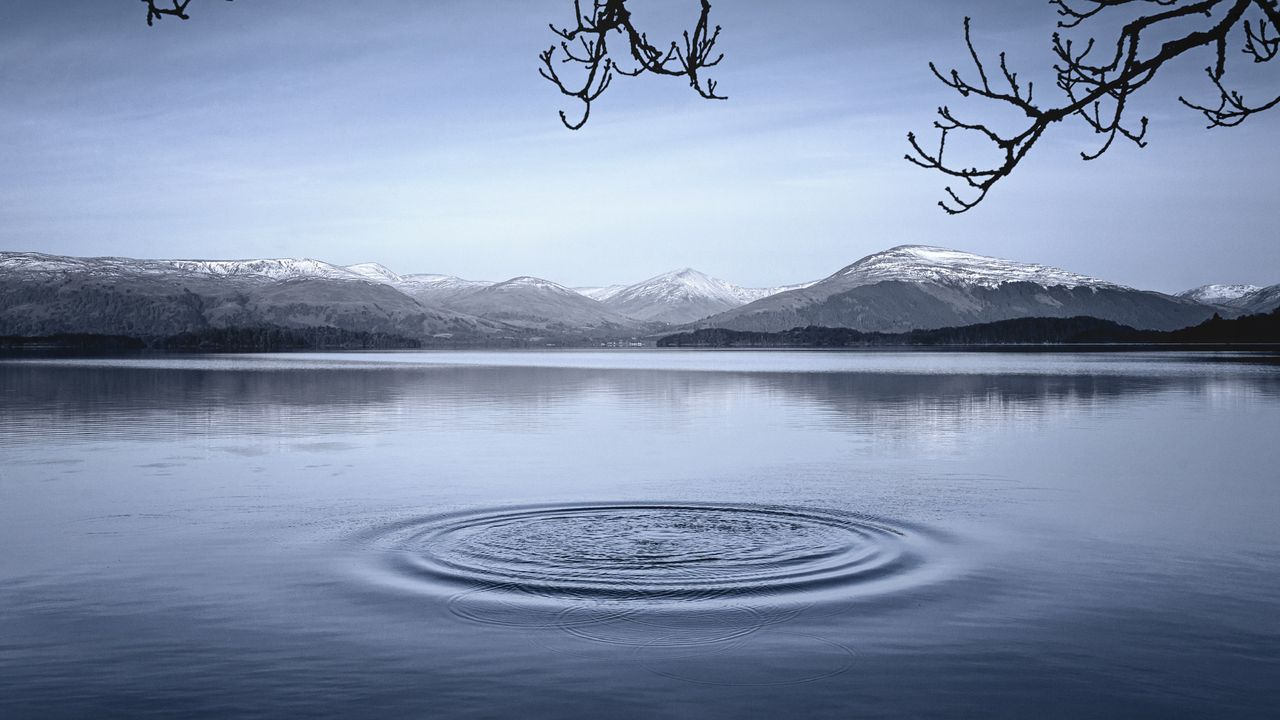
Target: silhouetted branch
point(157, 12)
point(1098, 83)
point(1262, 43)
point(586, 45)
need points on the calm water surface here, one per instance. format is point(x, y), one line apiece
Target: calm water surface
point(641, 534)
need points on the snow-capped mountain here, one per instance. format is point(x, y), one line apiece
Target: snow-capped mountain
point(918, 287)
point(268, 269)
point(903, 288)
point(922, 263)
point(46, 294)
point(538, 304)
point(1219, 294)
point(679, 296)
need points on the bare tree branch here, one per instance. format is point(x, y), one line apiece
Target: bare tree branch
point(157, 12)
point(1097, 83)
point(586, 45)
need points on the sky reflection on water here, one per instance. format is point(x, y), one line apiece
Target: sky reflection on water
point(1089, 534)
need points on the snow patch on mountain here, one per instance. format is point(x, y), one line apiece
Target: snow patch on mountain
point(376, 272)
point(1262, 300)
point(271, 269)
point(918, 287)
point(145, 298)
point(430, 288)
point(749, 295)
point(923, 263)
point(601, 293)
point(681, 284)
point(1219, 294)
point(526, 282)
point(688, 283)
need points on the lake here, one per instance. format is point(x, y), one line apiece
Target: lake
point(641, 534)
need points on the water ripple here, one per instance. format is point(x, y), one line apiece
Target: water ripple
point(680, 584)
point(644, 552)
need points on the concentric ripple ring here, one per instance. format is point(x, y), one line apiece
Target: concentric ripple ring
point(628, 551)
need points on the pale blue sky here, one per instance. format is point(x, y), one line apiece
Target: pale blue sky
point(419, 135)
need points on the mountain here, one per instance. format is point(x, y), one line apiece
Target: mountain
point(1218, 294)
point(432, 290)
point(1262, 300)
point(908, 287)
point(677, 297)
point(544, 306)
point(920, 287)
point(46, 295)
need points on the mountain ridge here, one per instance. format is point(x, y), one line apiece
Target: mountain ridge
point(905, 287)
point(910, 287)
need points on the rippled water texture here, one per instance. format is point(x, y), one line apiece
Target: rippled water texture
point(641, 534)
point(650, 553)
point(683, 585)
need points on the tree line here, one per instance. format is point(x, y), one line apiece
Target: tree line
point(1260, 329)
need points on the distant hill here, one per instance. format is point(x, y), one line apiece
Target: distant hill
point(543, 306)
point(1250, 329)
point(679, 296)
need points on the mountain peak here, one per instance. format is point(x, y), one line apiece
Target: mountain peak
point(928, 263)
point(529, 281)
point(679, 296)
point(1219, 293)
point(685, 282)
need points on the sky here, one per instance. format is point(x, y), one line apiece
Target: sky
point(419, 135)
